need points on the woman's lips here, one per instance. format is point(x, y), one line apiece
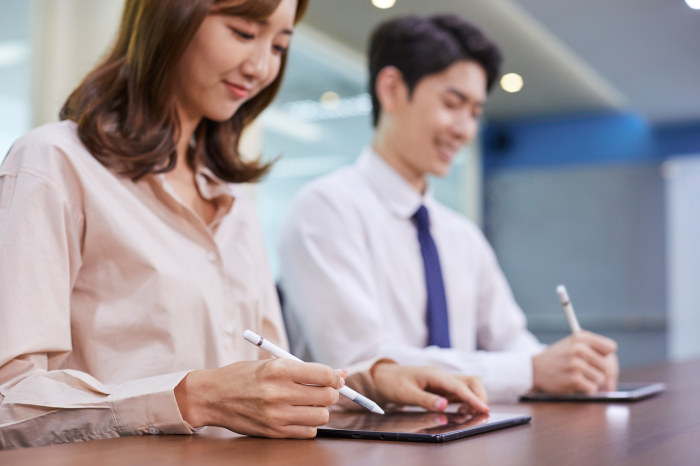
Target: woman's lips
point(235, 89)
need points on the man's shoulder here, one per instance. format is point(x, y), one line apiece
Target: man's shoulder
point(342, 186)
point(330, 205)
point(458, 225)
point(453, 219)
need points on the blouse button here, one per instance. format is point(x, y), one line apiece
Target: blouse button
point(212, 256)
point(153, 430)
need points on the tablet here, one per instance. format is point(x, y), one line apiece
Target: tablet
point(415, 426)
point(625, 392)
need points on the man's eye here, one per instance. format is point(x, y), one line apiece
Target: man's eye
point(242, 34)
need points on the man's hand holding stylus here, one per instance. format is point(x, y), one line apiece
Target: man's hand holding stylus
point(582, 362)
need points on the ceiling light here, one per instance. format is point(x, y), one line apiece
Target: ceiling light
point(383, 4)
point(512, 82)
point(330, 100)
point(694, 4)
point(312, 110)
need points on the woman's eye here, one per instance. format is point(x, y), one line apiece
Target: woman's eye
point(279, 49)
point(242, 34)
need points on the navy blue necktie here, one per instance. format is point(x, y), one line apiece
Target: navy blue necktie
point(438, 325)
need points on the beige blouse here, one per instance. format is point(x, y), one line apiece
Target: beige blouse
point(112, 290)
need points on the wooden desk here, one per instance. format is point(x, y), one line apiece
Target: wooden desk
point(661, 430)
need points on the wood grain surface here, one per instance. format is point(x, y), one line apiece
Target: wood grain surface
point(664, 430)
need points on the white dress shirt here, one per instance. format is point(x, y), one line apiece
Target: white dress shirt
point(354, 283)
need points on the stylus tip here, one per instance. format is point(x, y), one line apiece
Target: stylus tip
point(377, 410)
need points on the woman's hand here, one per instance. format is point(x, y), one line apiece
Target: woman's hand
point(428, 387)
point(274, 398)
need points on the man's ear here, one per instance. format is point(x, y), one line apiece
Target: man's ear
point(392, 91)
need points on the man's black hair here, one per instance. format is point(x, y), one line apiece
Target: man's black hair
point(419, 47)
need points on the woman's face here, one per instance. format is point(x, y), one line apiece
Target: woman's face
point(229, 60)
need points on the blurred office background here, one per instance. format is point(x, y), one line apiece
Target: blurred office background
point(586, 173)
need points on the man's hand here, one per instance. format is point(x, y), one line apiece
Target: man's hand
point(583, 362)
point(275, 398)
point(428, 387)
point(612, 372)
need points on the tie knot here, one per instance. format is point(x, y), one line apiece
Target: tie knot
point(422, 218)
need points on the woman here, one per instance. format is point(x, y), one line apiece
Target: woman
point(131, 262)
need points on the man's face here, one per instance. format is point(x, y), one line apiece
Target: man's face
point(440, 117)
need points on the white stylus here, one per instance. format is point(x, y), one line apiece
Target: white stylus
point(568, 309)
point(275, 350)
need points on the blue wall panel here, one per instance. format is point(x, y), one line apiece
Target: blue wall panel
point(579, 200)
point(583, 140)
point(678, 139)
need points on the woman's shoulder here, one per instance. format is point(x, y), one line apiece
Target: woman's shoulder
point(45, 149)
point(62, 133)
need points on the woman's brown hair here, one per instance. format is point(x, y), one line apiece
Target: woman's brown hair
point(124, 108)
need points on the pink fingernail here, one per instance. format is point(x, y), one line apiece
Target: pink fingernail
point(440, 404)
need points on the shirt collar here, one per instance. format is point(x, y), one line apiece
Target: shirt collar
point(211, 187)
point(393, 189)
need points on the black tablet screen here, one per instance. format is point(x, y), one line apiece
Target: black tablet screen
point(414, 423)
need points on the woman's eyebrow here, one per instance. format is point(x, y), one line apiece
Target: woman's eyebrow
point(259, 22)
point(264, 22)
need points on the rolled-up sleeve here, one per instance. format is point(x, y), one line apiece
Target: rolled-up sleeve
point(40, 244)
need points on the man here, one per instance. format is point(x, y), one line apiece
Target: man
point(373, 266)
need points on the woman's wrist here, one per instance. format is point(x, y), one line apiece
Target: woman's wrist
point(379, 364)
point(191, 396)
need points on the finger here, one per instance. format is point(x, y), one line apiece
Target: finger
point(309, 395)
point(457, 388)
point(312, 416)
point(610, 385)
point(314, 374)
point(475, 385)
point(591, 357)
point(599, 343)
point(589, 372)
point(612, 373)
point(301, 432)
point(413, 395)
point(582, 384)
